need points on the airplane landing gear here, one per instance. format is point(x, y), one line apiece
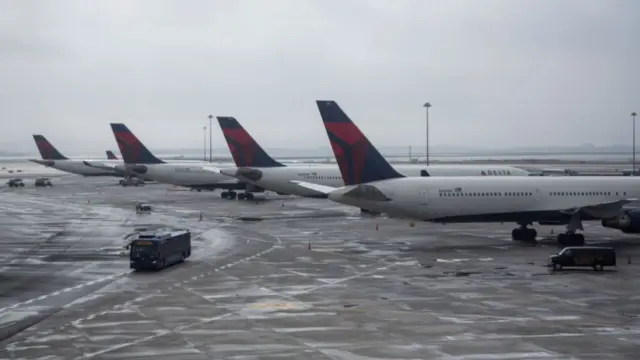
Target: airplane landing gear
point(230, 195)
point(570, 239)
point(245, 196)
point(524, 234)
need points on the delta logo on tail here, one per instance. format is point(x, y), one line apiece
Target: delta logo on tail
point(132, 149)
point(359, 161)
point(47, 151)
point(246, 152)
point(111, 155)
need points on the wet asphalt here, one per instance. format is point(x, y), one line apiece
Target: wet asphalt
point(295, 278)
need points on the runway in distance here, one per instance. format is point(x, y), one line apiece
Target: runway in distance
point(53, 158)
point(375, 185)
point(255, 166)
point(139, 160)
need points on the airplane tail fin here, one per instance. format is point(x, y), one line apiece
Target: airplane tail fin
point(246, 152)
point(47, 151)
point(132, 149)
point(359, 161)
point(111, 155)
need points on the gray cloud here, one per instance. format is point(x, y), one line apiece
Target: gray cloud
point(498, 73)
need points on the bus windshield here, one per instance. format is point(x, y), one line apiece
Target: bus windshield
point(143, 248)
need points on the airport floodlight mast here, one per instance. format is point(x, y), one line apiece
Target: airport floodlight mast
point(633, 116)
point(210, 143)
point(204, 155)
point(427, 106)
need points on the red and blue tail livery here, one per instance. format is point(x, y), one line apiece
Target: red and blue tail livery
point(246, 152)
point(111, 155)
point(47, 151)
point(359, 161)
point(132, 149)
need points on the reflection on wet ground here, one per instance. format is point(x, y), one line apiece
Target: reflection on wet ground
point(306, 279)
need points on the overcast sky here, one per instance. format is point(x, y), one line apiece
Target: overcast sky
point(498, 73)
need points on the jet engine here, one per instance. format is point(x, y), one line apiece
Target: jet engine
point(627, 222)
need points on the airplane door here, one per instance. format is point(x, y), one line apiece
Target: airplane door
point(424, 197)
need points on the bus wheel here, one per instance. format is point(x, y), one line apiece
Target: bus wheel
point(597, 267)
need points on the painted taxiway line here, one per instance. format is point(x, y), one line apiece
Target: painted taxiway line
point(275, 246)
point(65, 290)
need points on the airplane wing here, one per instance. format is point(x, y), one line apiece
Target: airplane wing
point(603, 210)
point(315, 187)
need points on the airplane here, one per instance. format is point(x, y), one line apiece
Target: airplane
point(53, 158)
point(111, 155)
point(569, 200)
point(256, 167)
point(139, 160)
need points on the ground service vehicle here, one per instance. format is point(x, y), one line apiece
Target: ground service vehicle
point(157, 250)
point(43, 182)
point(140, 207)
point(131, 182)
point(15, 182)
point(579, 256)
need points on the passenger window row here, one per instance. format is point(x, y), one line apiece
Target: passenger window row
point(323, 177)
point(589, 193)
point(494, 194)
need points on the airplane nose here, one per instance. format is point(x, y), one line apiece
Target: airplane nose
point(249, 173)
point(43, 162)
point(139, 169)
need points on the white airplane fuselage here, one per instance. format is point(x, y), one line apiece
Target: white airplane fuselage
point(279, 178)
point(79, 167)
point(190, 174)
point(480, 199)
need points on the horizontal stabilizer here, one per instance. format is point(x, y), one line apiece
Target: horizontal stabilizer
point(218, 171)
point(315, 187)
point(99, 165)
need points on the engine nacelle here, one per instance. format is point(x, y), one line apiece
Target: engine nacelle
point(627, 222)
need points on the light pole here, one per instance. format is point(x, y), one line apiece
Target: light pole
point(633, 116)
point(210, 143)
point(427, 106)
point(204, 149)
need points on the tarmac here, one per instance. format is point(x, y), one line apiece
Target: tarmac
point(292, 278)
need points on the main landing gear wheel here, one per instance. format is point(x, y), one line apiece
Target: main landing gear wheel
point(245, 196)
point(230, 195)
point(524, 235)
point(570, 239)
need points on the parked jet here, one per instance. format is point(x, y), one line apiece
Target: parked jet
point(255, 166)
point(51, 157)
point(139, 160)
point(375, 185)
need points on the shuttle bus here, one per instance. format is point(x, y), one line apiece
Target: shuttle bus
point(157, 250)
